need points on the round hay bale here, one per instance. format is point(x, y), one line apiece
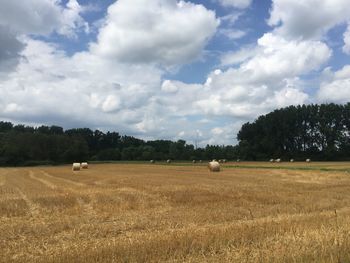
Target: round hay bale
point(194, 161)
point(214, 166)
point(224, 160)
point(151, 161)
point(278, 160)
point(308, 160)
point(292, 160)
point(200, 161)
point(84, 165)
point(168, 161)
point(238, 160)
point(272, 160)
point(76, 167)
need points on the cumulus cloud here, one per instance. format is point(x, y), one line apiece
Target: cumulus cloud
point(41, 16)
point(337, 88)
point(346, 47)
point(241, 4)
point(10, 47)
point(155, 31)
point(307, 19)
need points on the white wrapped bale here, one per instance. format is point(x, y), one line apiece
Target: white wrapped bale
point(84, 165)
point(76, 167)
point(214, 166)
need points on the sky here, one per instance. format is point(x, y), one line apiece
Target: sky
point(167, 69)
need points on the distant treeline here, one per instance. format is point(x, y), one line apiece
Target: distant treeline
point(25, 145)
point(319, 132)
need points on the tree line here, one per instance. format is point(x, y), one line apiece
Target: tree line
point(319, 132)
point(25, 145)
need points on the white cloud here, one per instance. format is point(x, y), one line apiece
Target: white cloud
point(307, 19)
point(41, 16)
point(346, 47)
point(233, 33)
point(337, 89)
point(241, 4)
point(237, 57)
point(155, 31)
point(280, 58)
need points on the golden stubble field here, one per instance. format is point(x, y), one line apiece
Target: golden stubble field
point(176, 213)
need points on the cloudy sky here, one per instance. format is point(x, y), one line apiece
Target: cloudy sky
point(168, 69)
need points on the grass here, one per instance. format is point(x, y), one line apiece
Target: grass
point(249, 212)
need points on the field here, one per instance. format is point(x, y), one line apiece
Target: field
point(249, 212)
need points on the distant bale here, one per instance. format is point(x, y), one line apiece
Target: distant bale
point(272, 160)
point(278, 160)
point(308, 160)
point(194, 161)
point(221, 161)
point(84, 165)
point(200, 161)
point(214, 166)
point(292, 160)
point(76, 167)
point(151, 161)
point(168, 161)
point(238, 160)
point(224, 160)
point(214, 160)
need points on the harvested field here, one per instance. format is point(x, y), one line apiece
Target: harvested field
point(248, 212)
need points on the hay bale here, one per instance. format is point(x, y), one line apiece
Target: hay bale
point(238, 160)
point(214, 166)
point(214, 160)
point(278, 160)
point(168, 161)
point(224, 160)
point(200, 161)
point(221, 161)
point(151, 161)
point(292, 160)
point(272, 160)
point(308, 160)
point(84, 165)
point(76, 167)
point(194, 161)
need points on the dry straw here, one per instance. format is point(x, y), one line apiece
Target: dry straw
point(76, 167)
point(214, 166)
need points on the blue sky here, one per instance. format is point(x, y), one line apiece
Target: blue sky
point(168, 69)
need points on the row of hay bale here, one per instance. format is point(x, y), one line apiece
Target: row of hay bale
point(213, 166)
point(79, 166)
point(291, 160)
